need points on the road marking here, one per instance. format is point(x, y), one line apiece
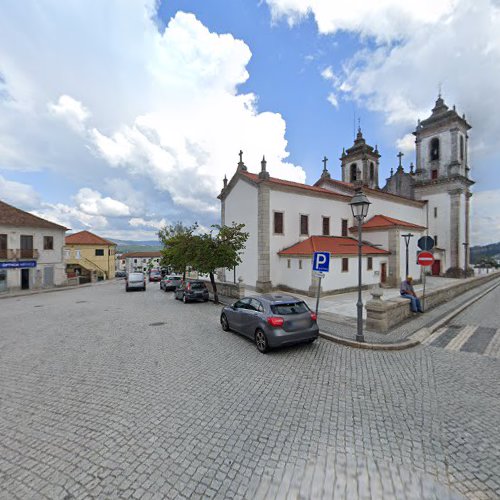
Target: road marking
point(441, 337)
point(493, 348)
point(459, 340)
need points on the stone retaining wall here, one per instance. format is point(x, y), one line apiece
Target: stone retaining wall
point(227, 288)
point(383, 315)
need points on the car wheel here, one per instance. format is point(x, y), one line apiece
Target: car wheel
point(224, 322)
point(127, 289)
point(143, 288)
point(261, 341)
point(310, 341)
point(205, 300)
point(184, 299)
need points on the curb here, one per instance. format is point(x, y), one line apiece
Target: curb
point(399, 346)
point(424, 333)
point(415, 338)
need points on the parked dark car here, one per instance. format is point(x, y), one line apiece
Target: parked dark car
point(170, 282)
point(191, 290)
point(120, 274)
point(271, 320)
point(154, 275)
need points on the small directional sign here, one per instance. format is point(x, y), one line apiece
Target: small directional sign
point(319, 274)
point(321, 261)
point(425, 259)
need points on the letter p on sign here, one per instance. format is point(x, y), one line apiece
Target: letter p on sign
point(321, 261)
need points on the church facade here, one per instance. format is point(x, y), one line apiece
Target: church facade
point(288, 221)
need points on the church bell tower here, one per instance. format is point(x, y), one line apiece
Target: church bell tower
point(442, 178)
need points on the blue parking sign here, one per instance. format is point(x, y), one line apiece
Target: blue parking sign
point(321, 261)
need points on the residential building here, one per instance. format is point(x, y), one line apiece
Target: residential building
point(31, 251)
point(140, 261)
point(89, 256)
point(288, 221)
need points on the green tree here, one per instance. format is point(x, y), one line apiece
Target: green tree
point(178, 246)
point(222, 249)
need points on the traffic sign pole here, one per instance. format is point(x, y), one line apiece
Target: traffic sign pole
point(317, 296)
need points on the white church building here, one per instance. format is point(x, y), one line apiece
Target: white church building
point(287, 221)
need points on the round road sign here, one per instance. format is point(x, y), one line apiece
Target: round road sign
point(425, 259)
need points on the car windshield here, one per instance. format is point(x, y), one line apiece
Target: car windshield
point(289, 308)
point(197, 286)
point(136, 277)
point(174, 278)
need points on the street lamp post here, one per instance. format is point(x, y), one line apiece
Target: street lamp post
point(359, 206)
point(407, 242)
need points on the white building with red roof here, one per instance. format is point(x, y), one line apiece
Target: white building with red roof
point(289, 221)
point(31, 251)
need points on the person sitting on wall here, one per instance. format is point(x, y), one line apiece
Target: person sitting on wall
point(407, 292)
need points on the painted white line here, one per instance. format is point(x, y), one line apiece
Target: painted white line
point(493, 348)
point(457, 342)
point(434, 336)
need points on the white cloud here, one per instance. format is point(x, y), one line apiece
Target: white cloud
point(18, 194)
point(92, 203)
point(332, 99)
point(156, 109)
point(384, 19)
point(406, 144)
point(71, 217)
point(151, 223)
point(71, 111)
point(329, 75)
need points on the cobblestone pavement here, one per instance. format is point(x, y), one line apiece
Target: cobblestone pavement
point(105, 394)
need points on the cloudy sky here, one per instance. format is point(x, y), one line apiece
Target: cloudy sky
point(121, 116)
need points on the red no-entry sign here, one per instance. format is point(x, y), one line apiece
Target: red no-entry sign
point(425, 259)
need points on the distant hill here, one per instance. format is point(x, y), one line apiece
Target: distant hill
point(479, 252)
point(126, 246)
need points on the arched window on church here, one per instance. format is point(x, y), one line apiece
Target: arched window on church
point(354, 172)
point(461, 147)
point(372, 171)
point(435, 149)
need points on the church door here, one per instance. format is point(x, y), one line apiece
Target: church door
point(436, 268)
point(383, 272)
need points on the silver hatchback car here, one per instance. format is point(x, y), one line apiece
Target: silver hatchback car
point(271, 320)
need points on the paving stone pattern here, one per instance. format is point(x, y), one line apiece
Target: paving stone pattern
point(105, 394)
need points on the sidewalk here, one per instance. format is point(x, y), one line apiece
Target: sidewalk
point(337, 314)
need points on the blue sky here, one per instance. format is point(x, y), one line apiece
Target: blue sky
point(109, 110)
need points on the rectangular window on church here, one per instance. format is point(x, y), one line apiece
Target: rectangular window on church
point(435, 240)
point(345, 265)
point(326, 226)
point(344, 227)
point(300, 264)
point(288, 263)
point(278, 222)
point(435, 212)
point(369, 263)
point(304, 225)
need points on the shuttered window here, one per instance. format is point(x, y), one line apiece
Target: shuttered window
point(304, 225)
point(278, 222)
point(326, 226)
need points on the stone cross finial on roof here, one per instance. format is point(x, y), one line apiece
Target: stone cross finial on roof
point(325, 174)
point(325, 160)
point(241, 165)
point(225, 181)
point(263, 174)
point(400, 156)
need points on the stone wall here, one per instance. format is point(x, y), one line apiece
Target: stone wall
point(383, 315)
point(227, 288)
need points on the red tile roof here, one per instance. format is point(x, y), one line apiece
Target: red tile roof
point(12, 216)
point(134, 255)
point(371, 191)
point(336, 245)
point(86, 238)
point(281, 182)
point(385, 222)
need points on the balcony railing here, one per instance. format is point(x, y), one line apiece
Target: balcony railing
point(21, 253)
